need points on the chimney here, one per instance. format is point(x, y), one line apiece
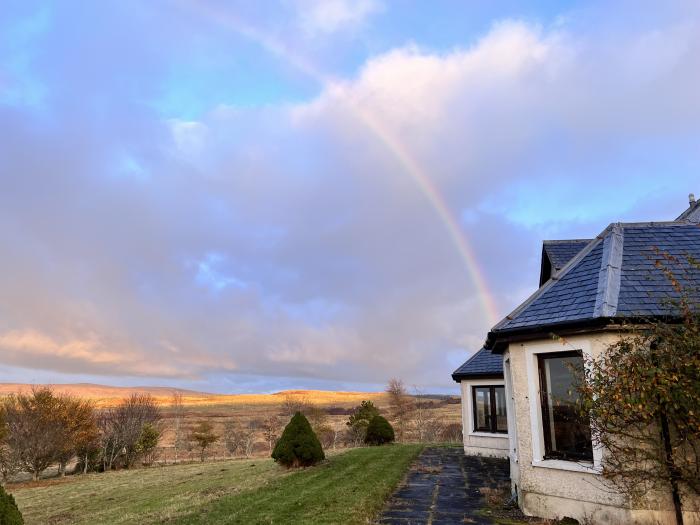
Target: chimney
point(691, 199)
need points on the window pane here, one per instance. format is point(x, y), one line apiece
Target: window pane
point(501, 414)
point(482, 408)
point(568, 435)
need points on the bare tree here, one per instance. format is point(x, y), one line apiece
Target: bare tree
point(400, 405)
point(271, 430)
point(232, 440)
point(419, 415)
point(178, 409)
point(249, 437)
point(294, 403)
point(121, 428)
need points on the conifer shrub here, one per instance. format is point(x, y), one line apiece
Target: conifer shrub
point(379, 431)
point(9, 513)
point(298, 446)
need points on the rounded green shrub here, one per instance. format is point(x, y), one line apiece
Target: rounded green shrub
point(9, 513)
point(379, 431)
point(298, 446)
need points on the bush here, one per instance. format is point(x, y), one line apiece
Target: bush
point(379, 431)
point(298, 446)
point(9, 513)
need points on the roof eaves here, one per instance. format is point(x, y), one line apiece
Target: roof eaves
point(458, 378)
point(565, 241)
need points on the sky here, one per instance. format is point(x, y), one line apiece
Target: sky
point(255, 196)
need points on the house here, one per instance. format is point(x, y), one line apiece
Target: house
point(588, 289)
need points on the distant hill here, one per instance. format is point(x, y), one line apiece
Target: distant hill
point(104, 395)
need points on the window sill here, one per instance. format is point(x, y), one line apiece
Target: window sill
point(489, 434)
point(573, 466)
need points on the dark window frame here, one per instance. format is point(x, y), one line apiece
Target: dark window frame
point(544, 410)
point(493, 427)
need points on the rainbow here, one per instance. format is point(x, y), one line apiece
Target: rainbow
point(399, 151)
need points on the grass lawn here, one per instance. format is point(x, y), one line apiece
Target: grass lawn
point(347, 488)
point(350, 488)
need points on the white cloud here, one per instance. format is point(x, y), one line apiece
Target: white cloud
point(349, 272)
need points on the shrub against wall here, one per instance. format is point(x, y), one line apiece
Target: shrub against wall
point(9, 513)
point(379, 431)
point(298, 446)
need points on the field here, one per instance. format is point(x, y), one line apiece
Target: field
point(349, 487)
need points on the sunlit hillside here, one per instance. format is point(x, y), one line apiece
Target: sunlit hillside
point(108, 395)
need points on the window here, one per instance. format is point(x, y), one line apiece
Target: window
point(489, 409)
point(567, 435)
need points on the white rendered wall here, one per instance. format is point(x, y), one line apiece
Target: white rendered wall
point(555, 489)
point(480, 443)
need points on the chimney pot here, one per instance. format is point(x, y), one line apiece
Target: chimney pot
point(691, 199)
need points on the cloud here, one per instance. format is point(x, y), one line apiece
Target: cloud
point(323, 17)
point(289, 240)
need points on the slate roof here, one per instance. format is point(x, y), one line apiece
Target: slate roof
point(481, 364)
point(561, 252)
point(615, 275)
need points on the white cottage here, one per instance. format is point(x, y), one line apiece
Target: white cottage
point(588, 289)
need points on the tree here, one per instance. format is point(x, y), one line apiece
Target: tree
point(270, 429)
point(294, 403)
point(203, 436)
point(10, 463)
point(121, 428)
point(178, 410)
point(9, 512)
point(379, 431)
point(248, 436)
point(147, 443)
point(78, 420)
point(359, 420)
point(400, 405)
point(643, 397)
point(34, 428)
point(298, 446)
point(420, 419)
point(232, 438)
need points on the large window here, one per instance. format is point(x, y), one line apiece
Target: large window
point(567, 435)
point(489, 409)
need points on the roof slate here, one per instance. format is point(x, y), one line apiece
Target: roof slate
point(561, 252)
point(615, 275)
point(481, 364)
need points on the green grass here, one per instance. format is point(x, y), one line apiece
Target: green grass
point(347, 488)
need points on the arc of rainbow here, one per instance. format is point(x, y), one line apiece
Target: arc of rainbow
point(400, 152)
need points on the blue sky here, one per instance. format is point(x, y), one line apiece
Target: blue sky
point(233, 196)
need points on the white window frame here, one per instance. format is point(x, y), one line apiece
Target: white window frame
point(537, 429)
point(467, 405)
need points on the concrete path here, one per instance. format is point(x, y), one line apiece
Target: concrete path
point(442, 488)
